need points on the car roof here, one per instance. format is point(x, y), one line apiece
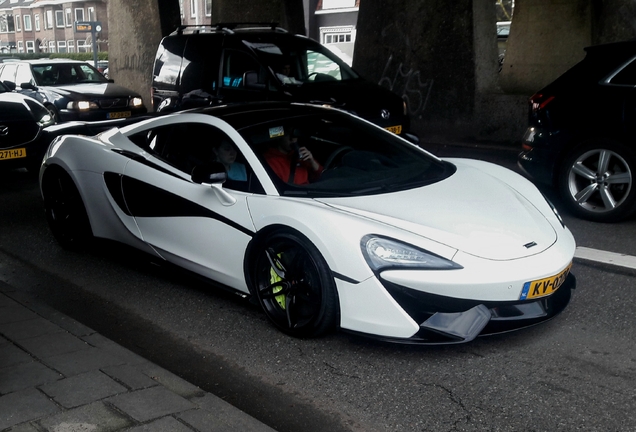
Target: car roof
point(229, 28)
point(49, 61)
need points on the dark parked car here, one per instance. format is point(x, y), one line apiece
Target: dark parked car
point(582, 134)
point(21, 122)
point(199, 66)
point(71, 90)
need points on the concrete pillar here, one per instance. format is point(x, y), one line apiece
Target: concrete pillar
point(547, 37)
point(134, 34)
point(434, 54)
point(287, 13)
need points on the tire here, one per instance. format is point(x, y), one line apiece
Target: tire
point(53, 112)
point(597, 181)
point(294, 286)
point(65, 211)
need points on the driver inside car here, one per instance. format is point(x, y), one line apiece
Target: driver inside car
point(291, 163)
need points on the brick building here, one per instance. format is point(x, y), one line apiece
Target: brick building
point(47, 26)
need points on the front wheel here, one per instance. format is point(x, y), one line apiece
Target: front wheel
point(597, 182)
point(64, 209)
point(53, 112)
point(294, 285)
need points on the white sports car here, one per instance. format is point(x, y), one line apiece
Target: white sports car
point(382, 239)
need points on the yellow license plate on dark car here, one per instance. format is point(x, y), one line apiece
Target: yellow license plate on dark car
point(120, 114)
point(544, 287)
point(15, 153)
point(395, 129)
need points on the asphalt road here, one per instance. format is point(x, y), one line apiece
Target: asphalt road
point(576, 372)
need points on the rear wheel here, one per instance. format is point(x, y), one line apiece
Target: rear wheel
point(64, 209)
point(294, 285)
point(597, 182)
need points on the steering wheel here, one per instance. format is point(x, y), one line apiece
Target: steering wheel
point(333, 156)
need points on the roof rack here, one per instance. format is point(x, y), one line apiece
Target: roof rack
point(229, 27)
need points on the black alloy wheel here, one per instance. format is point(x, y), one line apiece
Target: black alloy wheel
point(64, 209)
point(294, 286)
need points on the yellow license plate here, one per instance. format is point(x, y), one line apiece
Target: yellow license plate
point(116, 115)
point(15, 153)
point(544, 287)
point(395, 129)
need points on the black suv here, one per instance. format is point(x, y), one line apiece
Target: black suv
point(224, 63)
point(582, 134)
point(71, 89)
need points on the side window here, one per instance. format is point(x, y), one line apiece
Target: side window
point(320, 67)
point(627, 75)
point(186, 145)
point(24, 75)
point(201, 64)
point(235, 65)
point(168, 61)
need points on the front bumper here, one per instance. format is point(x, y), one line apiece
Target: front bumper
point(447, 320)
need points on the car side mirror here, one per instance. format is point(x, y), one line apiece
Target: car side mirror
point(412, 138)
point(212, 173)
point(250, 80)
point(10, 85)
point(28, 85)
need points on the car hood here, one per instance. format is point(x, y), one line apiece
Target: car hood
point(358, 96)
point(471, 211)
point(94, 90)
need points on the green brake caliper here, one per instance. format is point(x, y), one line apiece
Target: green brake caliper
point(274, 278)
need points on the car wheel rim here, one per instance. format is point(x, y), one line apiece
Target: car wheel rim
point(289, 286)
point(599, 180)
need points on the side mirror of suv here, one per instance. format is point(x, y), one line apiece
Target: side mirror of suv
point(250, 80)
point(10, 85)
point(28, 86)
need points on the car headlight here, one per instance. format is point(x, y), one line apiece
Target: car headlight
point(46, 120)
point(382, 253)
point(136, 102)
point(81, 105)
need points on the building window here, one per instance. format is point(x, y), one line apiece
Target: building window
point(70, 46)
point(208, 7)
point(17, 23)
point(51, 46)
point(82, 47)
point(30, 46)
point(59, 18)
point(91, 14)
point(6, 24)
point(69, 17)
point(338, 35)
point(36, 18)
point(27, 23)
point(193, 8)
point(79, 14)
point(20, 46)
point(338, 4)
point(61, 46)
point(49, 20)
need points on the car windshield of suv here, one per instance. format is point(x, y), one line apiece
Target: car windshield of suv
point(58, 74)
point(299, 64)
point(353, 157)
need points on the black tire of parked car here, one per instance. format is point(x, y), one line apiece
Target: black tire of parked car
point(596, 181)
point(54, 112)
point(294, 285)
point(65, 211)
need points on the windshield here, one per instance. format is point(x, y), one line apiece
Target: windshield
point(352, 156)
point(300, 61)
point(66, 73)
